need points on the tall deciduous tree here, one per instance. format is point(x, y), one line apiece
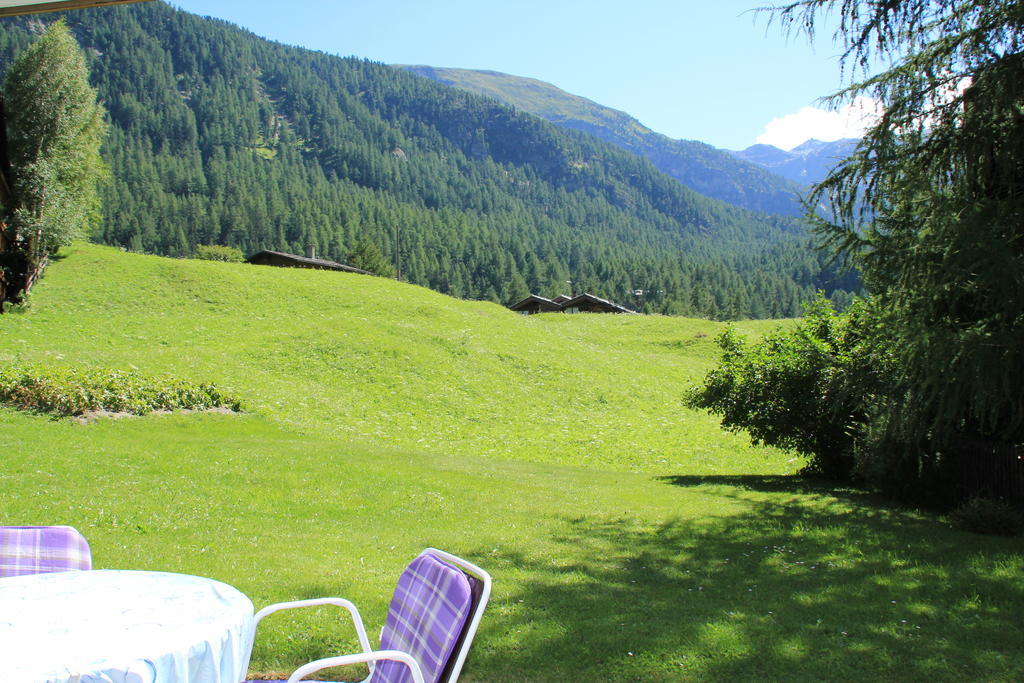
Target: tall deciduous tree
point(931, 205)
point(54, 130)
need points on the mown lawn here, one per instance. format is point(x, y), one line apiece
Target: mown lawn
point(629, 538)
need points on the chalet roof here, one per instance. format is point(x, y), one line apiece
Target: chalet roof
point(10, 8)
point(307, 261)
point(561, 303)
point(586, 298)
point(539, 301)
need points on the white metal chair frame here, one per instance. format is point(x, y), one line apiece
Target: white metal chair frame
point(369, 656)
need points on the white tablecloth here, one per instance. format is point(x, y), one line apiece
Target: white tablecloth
point(123, 627)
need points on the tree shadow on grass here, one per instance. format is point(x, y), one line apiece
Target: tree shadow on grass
point(805, 490)
point(816, 586)
point(773, 484)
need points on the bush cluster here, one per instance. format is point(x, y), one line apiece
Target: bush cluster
point(988, 516)
point(74, 391)
point(215, 252)
point(809, 389)
point(834, 389)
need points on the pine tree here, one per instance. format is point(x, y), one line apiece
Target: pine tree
point(367, 255)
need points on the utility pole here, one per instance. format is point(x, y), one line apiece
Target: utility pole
point(398, 251)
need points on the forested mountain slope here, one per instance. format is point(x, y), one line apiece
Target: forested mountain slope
point(704, 169)
point(220, 137)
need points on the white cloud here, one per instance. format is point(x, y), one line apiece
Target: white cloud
point(850, 121)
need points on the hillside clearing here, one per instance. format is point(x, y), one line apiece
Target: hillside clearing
point(368, 359)
point(637, 543)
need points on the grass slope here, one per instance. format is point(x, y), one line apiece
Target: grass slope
point(363, 358)
point(669, 551)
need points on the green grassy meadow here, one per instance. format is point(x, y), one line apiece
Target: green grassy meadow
point(629, 538)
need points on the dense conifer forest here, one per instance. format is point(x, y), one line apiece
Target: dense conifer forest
point(220, 137)
point(711, 172)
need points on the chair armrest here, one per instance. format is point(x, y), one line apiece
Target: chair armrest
point(365, 657)
point(357, 620)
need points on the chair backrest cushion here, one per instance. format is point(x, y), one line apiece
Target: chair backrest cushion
point(428, 613)
point(476, 586)
point(40, 549)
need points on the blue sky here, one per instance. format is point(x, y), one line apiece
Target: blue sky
point(690, 69)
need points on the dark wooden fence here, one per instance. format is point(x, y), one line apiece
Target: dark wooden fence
point(17, 271)
point(33, 273)
point(991, 469)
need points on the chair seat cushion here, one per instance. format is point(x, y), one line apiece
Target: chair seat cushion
point(427, 615)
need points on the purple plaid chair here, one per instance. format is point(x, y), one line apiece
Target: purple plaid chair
point(41, 549)
point(431, 621)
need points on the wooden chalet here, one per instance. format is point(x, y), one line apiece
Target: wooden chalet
point(588, 303)
point(581, 303)
point(535, 304)
point(283, 260)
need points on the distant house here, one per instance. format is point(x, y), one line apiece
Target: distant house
point(536, 304)
point(588, 303)
point(282, 260)
point(581, 303)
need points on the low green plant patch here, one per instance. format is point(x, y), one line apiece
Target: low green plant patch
point(216, 252)
point(68, 391)
point(988, 516)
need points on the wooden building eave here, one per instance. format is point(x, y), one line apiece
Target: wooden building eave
point(10, 8)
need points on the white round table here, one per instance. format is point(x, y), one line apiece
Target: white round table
point(123, 626)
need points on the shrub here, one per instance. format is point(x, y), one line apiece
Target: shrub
point(74, 391)
point(988, 516)
point(215, 252)
point(809, 389)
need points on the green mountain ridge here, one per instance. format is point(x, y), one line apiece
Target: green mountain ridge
point(220, 137)
point(705, 169)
